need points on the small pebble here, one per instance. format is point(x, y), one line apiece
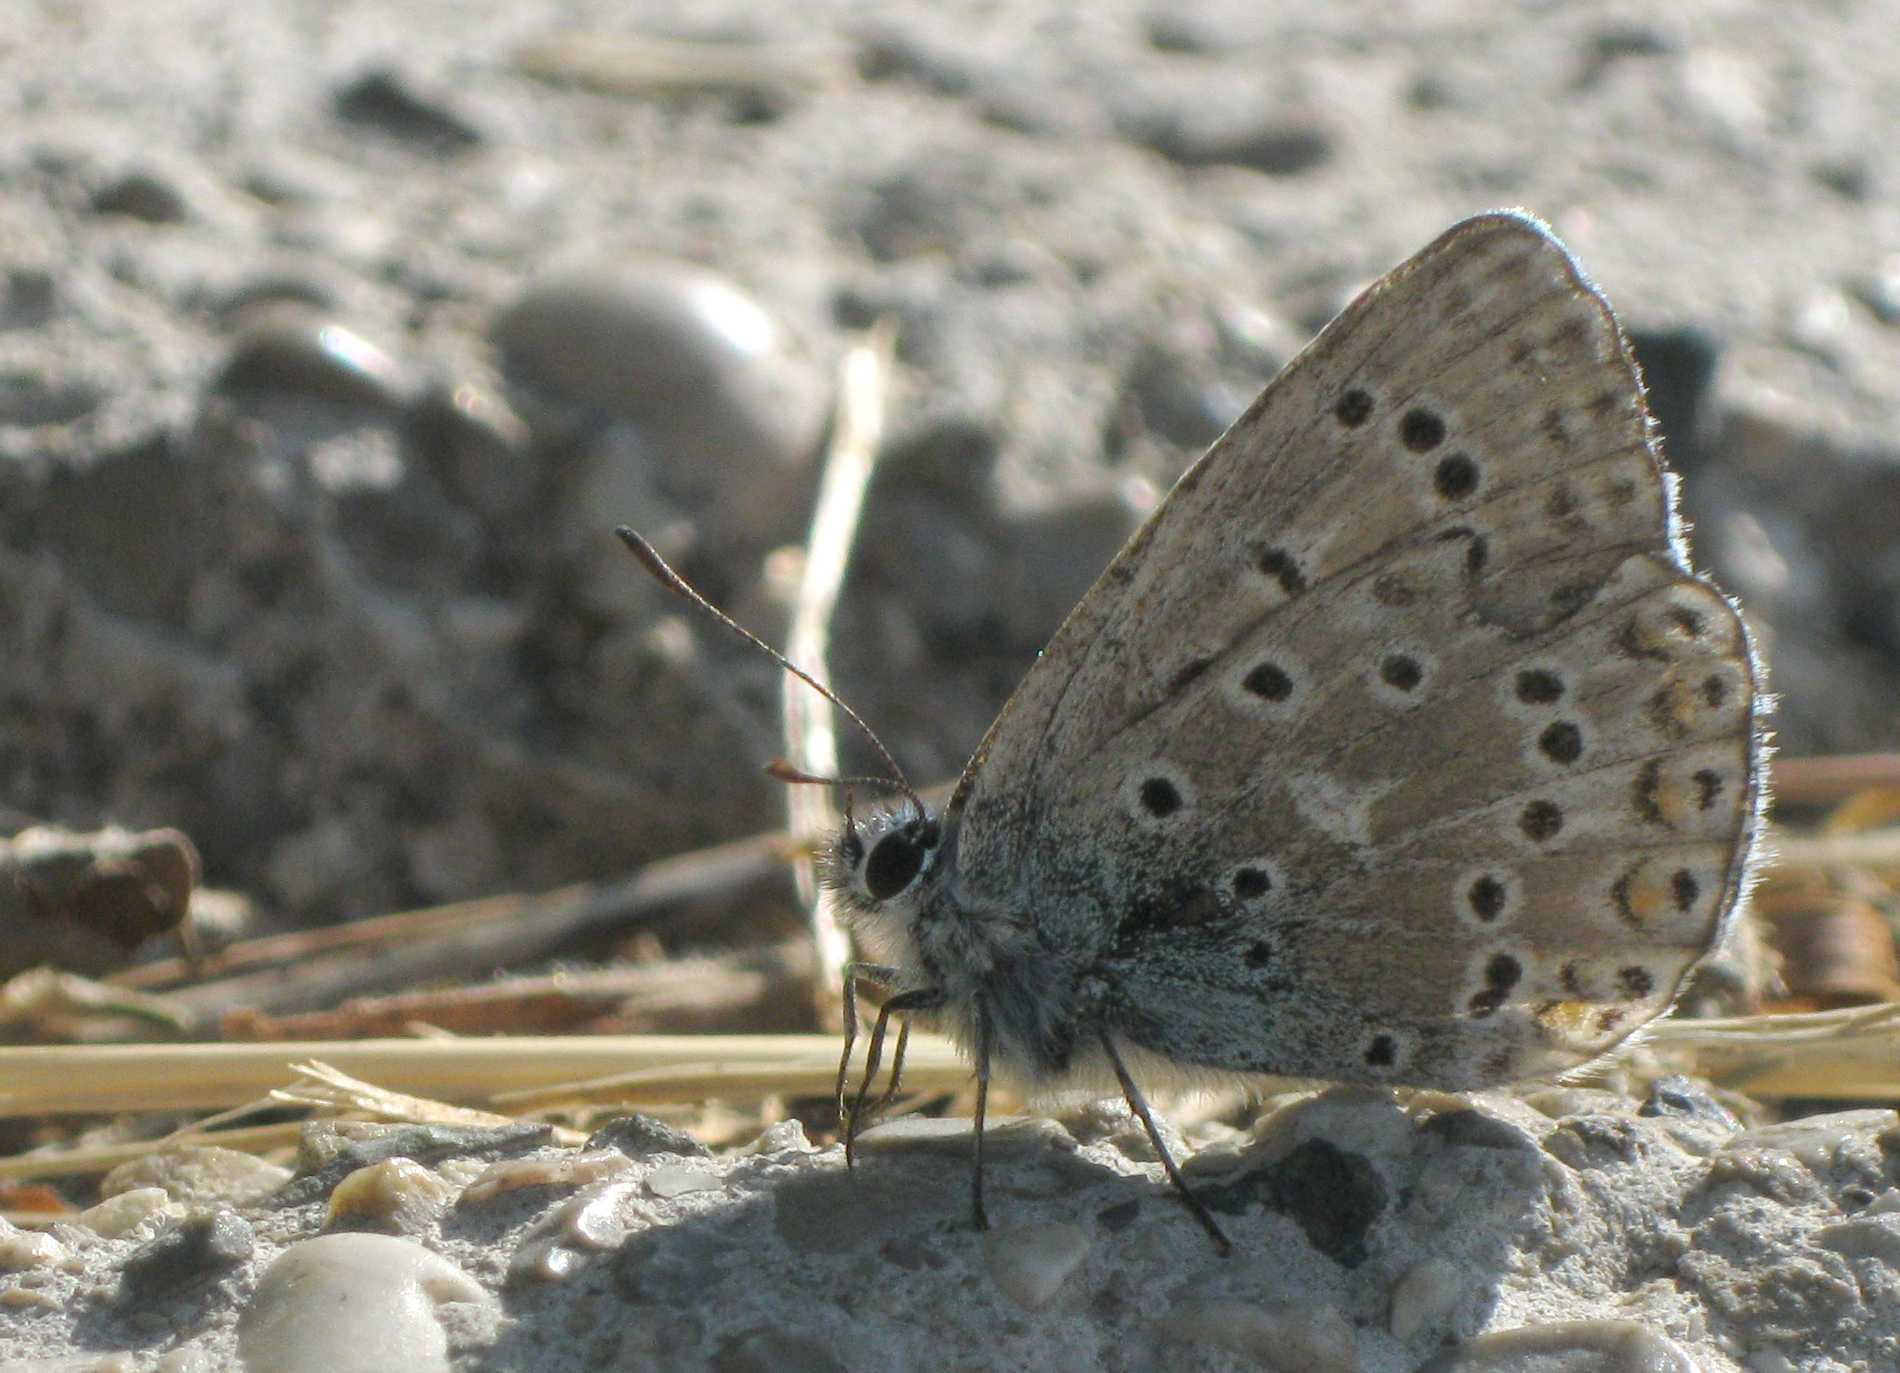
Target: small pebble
point(1862, 1237)
point(185, 1361)
point(352, 1304)
point(313, 358)
point(24, 1250)
point(116, 1215)
point(398, 1195)
point(1266, 139)
point(1425, 1299)
point(653, 342)
point(724, 418)
point(29, 297)
point(327, 1150)
point(141, 195)
point(1475, 1129)
point(1030, 1263)
point(665, 1182)
point(390, 102)
point(781, 1137)
point(578, 1169)
point(638, 1136)
point(1318, 1340)
point(1683, 1098)
point(1009, 1137)
point(196, 1250)
point(1817, 1140)
point(199, 1174)
point(1572, 1346)
point(558, 1244)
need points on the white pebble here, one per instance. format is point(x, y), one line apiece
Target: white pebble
point(352, 1304)
point(116, 1216)
point(670, 1181)
point(1608, 1345)
point(21, 1250)
point(1315, 1341)
point(1424, 1299)
point(1031, 1263)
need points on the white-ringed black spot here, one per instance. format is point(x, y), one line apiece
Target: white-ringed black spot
point(1708, 787)
point(1353, 409)
point(1401, 672)
point(1540, 821)
point(1159, 797)
point(1250, 883)
point(1421, 430)
point(1268, 681)
point(1539, 686)
point(1487, 896)
point(1501, 975)
point(1561, 742)
point(1456, 477)
point(1279, 566)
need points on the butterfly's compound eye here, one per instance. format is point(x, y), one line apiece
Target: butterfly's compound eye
point(896, 859)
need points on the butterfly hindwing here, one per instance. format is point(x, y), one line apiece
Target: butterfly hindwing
point(1410, 670)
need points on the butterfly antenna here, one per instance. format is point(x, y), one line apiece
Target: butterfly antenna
point(779, 768)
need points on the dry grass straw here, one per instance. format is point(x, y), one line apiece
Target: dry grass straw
point(810, 735)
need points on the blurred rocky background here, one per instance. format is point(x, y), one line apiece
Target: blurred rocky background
point(335, 339)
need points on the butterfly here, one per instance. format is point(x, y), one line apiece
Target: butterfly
point(1400, 745)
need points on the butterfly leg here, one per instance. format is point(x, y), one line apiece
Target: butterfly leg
point(903, 1003)
point(1139, 1105)
point(897, 1069)
point(855, 973)
point(977, 1213)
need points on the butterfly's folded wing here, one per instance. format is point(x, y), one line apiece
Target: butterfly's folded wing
point(1401, 744)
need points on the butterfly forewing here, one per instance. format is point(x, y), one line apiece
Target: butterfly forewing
point(1409, 672)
